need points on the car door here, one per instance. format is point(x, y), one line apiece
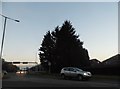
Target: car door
point(66, 72)
point(72, 72)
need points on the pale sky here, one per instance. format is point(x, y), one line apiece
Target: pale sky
point(95, 22)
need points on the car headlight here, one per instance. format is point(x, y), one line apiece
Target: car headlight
point(85, 74)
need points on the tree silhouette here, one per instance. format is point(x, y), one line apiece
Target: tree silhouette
point(9, 67)
point(63, 48)
point(46, 50)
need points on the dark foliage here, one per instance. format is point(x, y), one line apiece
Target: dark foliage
point(62, 48)
point(9, 67)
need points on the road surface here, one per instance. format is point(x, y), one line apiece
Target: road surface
point(31, 81)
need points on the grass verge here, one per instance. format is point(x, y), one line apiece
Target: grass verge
point(44, 75)
point(57, 76)
point(106, 77)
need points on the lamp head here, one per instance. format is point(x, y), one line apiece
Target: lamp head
point(17, 20)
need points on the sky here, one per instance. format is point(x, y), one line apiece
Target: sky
point(95, 22)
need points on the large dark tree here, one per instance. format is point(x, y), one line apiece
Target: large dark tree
point(46, 50)
point(66, 49)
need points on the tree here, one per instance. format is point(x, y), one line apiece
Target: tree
point(63, 48)
point(9, 67)
point(46, 50)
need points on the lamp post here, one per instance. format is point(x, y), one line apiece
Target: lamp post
point(3, 36)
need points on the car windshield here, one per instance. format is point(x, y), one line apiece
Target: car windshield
point(78, 69)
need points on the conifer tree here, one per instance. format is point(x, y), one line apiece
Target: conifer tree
point(63, 48)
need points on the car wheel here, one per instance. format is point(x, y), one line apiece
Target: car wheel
point(63, 76)
point(80, 77)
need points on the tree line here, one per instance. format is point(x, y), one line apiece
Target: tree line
point(9, 67)
point(61, 48)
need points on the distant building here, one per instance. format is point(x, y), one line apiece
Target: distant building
point(95, 63)
point(113, 61)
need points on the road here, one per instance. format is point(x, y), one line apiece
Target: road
point(31, 81)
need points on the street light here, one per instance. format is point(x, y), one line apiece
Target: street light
point(3, 36)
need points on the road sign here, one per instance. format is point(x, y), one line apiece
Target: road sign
point(49, 63)
point(24, 62)
point(16, 62)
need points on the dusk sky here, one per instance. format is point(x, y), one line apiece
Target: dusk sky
point(95, 22)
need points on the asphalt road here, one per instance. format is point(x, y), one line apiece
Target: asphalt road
point(31, 81)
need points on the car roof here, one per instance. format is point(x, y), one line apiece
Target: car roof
point(69, 67)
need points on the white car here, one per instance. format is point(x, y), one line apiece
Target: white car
point(74, 72)
point(3, 73)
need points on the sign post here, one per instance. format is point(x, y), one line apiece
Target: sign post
point(49, 64)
